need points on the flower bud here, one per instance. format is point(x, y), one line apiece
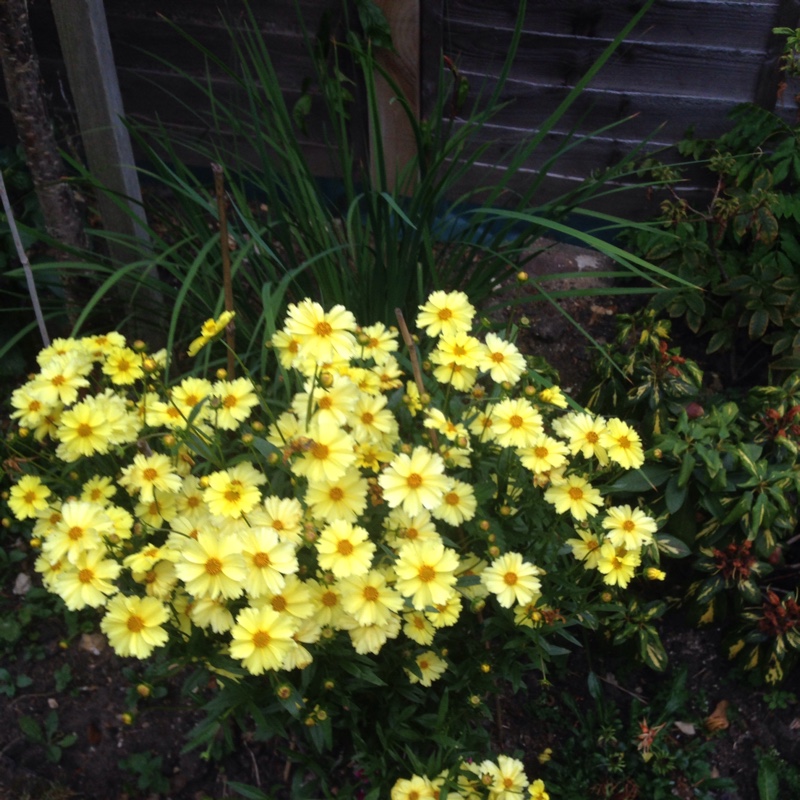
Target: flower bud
point(143, 690)
point(494, 551)
point(522, 276)
point(222, 373)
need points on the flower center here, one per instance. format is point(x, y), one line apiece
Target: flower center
point(336, 493)
point(624, 442)
point(515, 421)
point(540, 452)
point(445, 314)
point(278, 603)
point(427, 573)
point(576, 493)
point(29, 497)
point(277, 525)
point(510, 578)
point(320, 451)
point(135, 624)
point(261, 639)
point(233, 495)
point(592, 437)
point(325, 402)
point(414, 480)
point(85, 576)
point(75, 533)
point(367, 418)
point(261, 560)
point(451, 498)
point(344, 547)
point(498, 358)
point(150, 474)
point(329, 599)
point(59, 380)
point(229, 401)
point(84, 430)
point(323, 328)
point(371, 594)
point(628, 525)
point(213, 566)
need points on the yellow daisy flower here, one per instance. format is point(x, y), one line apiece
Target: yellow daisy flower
point(576, 496)
point(445, 313)
point(237, 399)
point(458, 504)
point(623, 444)
point(368, 599)
point(512, 580)
point(586, 548)
point(426, 573)
point(544, 454)
point(502, 360)
point(323, 337)
point(123, 366)
point(430, 667)
point(414, 482)
point(261, 639)
point(629, 527)
point(28, 497)
point(344, 549)
point(268, 560)
point(344, 499)
point(516, 423)
point(89, 581)
point(148, 474)
point(378, 342)
point(212, 566)
point(617, 564)
point(133, 625)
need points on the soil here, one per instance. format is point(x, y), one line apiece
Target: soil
point(96, 697)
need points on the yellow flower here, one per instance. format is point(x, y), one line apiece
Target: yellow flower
point(148, 474)
point(211, 328)
point(629, 528)
point(233, 492)
point(284, 516)
point(29, 408)
point(345, 498)
point(236, 401)
point(553, 396)
point(267, 559)
point(212, 566)
point(87, 582)
point(438, 421)
point(287, 347)
point(294, 599)
point(414, 482)
point(512, 580)
point(401, 527)
point(655, 574)
point(515, 423)
point(327, 406)
point(344, 549)
point(458, 504)
point(623, 444)
point(508, 778)
point(28, 497)
point(537, 790)
point(262, 638)
point(460, 377)
point(583, 432)
point(458, 348)
point(502, 360)
point(98, 489)
point(377, 342)
point(81, 527)
point(133, 625)
point(430, 667)
point(617, 564)
point(415, 788)
point(371, 421)
point(575, 495)
point(445, 313)
point(426, 573)
point(586, 548)
point(323, 337)
point(60, 380)
point(446, 614)
point(123, 366)
point(418, 628)
point(368, 599)
point(544, 454)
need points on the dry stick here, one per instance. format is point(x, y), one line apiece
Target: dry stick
point(412, 352)
point(230, 336)
point(37, 309)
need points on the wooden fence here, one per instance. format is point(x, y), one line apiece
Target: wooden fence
point(688, 63)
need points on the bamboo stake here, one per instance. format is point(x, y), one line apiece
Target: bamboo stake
point(227, 282)
point(37, 308)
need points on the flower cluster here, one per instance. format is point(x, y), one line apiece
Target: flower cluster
point(503, 779)
point(368, 505)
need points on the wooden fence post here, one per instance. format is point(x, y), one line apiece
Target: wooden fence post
point(403, 65)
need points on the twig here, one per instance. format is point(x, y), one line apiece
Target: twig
point(219, 189)
point(37, 308)
point(412, 352)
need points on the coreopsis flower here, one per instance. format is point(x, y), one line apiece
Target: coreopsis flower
point(544, 454)
point(369, 599)
point(430, 666)
point(458, 504)
point(583, 432)
point(623, 444)
point(414, 482)
point(512, 580)
point(150, 473)
point(212, 566)
point(189, 500)
point(372, 421)
point(629, 527)
point(378, 342)
point(293, 599)
point(210, 328)
point(446, 614)
point(100, 344)
point(327, 406)
point(617, 564)
point(328, 455)
point(59, 381)
point(323, 337)
point(267, 559)
point(89, 581)
point(28, 497)
point(284, 515)
point(262, 638)
point(508, 778)
point(459, 376)
point(371, 638)
point(159, 581)
point(445, 313)
point(553, 396)
point(233, 492)
point(133, 625)
point(418, 628)
point(287, 348)
point(66, 347)
point(576, 496)
point(411, 399)
point(237, 399)
point(29, 408)
point(515, 423)
point(402, 527)
point(123, 366)
point(459, 348)
point(426, 573)
point(207, 613)
point(586, 548)
point(327, 600)
point(345, 498)
point(502, 360)
point(188, 395)
point(436, 420)
point(81, 527)
point(389, 375)
point(418, 787)
point(537, 791)
point(98, 489)
point(344, 549)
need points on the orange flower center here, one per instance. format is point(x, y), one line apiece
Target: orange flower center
point(325, 402)
point(75, 533)
point(576, 493)
point(329, 599)
point(229, 401)
point(367, 418)
point(233, 495)
point(323, 328)
point(515, 421)
point(628, 525)
point(336, 493)
point(510, 578)
point(320, 451)
point(540, 452)
point(85, 576)
point(278, 603)
point(277, 525)
point(344, 547)
point(427, 573)
point(261, 560)
point(451, 498)
point(150, 474)
point(624, 442)
point(498, 358)
point(84, 430)
point(58, 380)
point(592, 437)
point(414, 480)
point(261, 639)
point(213, 566)
point(135, 624)
point(445, 314)
point(371, 594)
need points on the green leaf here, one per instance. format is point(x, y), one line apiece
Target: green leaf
point(757, 326)
point(675, 495)
point(250, 792)
point(768, 781)
point(652, 650)
point(30, 727)
point(687, 467)
point(595, 690)
point(374, 23)
point(641, 480)
point(671, 546)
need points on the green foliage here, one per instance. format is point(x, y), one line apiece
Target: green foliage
point(775, 776)
point(47, 735)
point(738, 250)
point(146, 768)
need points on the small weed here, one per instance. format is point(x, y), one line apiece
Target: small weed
point(63, 676)
point(778, 700)
point(9, 684)
point(47, 735)
point(146, 767)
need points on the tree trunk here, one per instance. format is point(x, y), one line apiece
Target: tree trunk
point(20, 65)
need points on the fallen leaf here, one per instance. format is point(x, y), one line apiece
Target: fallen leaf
point(93, 643)
point(686, 727)
point(718, 719)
